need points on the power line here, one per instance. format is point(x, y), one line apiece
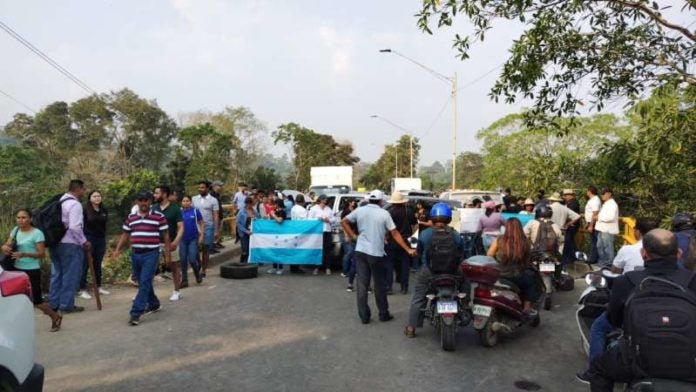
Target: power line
point(17, 101)
point(468, 84)
point(437, 118)
point(45, 57)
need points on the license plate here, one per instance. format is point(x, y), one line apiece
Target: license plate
point(481, 310)
point(547, 267)
point(447, 307)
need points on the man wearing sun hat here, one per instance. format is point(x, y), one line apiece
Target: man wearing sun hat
point(397, 259)
point(374, 223)
point(562, 216)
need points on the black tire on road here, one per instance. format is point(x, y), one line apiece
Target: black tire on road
point(535, 323)
point(487, 336)
point(239, 271)
point(448, 335)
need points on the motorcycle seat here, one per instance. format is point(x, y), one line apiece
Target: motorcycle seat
point(507, 284)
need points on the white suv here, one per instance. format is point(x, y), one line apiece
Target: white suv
point(18, 372)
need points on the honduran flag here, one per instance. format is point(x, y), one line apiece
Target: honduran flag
point(290, 242)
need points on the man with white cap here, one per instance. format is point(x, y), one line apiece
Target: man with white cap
point(374, 223)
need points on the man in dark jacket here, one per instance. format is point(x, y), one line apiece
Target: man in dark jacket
point(683, 229)
point(660, 252)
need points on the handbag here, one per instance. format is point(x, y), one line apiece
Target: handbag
point(6, 261)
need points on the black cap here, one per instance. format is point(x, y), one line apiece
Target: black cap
point(607, 190)
point(144, 195)
point(322, 197)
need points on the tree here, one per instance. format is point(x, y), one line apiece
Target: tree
point(209, 151)
point(654, 170)
point(613, 47)
point(266, 179)
point(311, 149)
point(395, 161)
point(530, 159)
point(469, 170)
point(140, 131)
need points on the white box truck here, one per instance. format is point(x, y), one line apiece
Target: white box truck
point(331, 179)
point(405, 184)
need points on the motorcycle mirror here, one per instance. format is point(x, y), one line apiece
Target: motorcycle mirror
point(582, 256)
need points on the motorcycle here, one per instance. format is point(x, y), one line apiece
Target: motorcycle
point(495, 303)
point(445, 308)
point(593, 301)
point(549, 267)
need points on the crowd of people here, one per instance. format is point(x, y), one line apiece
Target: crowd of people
point(375, 250)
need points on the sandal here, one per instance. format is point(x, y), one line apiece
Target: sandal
point(410, 332)
point(55, 324)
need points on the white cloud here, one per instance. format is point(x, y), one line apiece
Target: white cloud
point(340, 47)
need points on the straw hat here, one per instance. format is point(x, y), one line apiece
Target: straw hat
point(555, 197)
point(568, 192)
point(397, 198)
point(529, 202)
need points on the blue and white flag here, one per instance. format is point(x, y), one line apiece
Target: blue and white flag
point(290, 242)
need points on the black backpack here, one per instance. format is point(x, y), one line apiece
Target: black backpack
point(48, 218)
point(546, 239)
point(660, 325)
point(443, 254)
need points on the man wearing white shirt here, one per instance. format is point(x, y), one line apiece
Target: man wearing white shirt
point(607, 227)
point(591, 213)
point(298, 212)
point(325, 214)
point(628, 257)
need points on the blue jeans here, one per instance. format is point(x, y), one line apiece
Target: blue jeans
point(67, 262)
point(98, 250)
point(488, 241)
point(188, 254)
point(244, 256)
point(209, 236)
point(399, 261)
point(569, 245)
point(598, 336)
point(469, 244)
point(348, 254)
point(144, 267)
point(605, 248)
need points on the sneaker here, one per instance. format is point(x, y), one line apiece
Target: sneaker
point(328, 271)
point(75, 309)
point(213, 251)
point(175, 296)
point(584, 377)
point(131, 281)
point(183, 285)
point(167, 275)
point(104, 292)
point(153, 310)
point(316, 271)
point(343, 275)
point(271, 271)
point(203, 276)
point(369, 290)
point(134, 320)
point(279, 272)
point(349, 288)
point(84, 294)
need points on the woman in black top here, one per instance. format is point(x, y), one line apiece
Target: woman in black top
point(95, 218)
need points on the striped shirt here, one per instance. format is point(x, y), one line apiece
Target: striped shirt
point(145, 230)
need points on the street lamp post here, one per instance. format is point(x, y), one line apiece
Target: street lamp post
point(410, 137)
point(453, 82)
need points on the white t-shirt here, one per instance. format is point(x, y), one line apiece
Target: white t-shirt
point(208, 206)
point(298, 212)
point(317, 212)
point(608, 219)
point(628, 257)
point(593, 205)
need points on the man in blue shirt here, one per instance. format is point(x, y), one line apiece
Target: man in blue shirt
point(374, 223)
point(441, 216)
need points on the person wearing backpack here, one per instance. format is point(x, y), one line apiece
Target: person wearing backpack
point(441, 249)
point(683, 229)
point(542, 232)
point(68, 255)
point(656, 307)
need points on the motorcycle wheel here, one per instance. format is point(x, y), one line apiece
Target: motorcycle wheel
point(448, 338)
point(535, 323)
point(547, 302)
point(487, 336)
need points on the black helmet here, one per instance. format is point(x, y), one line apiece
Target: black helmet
point(543, 211)
point(682, 221)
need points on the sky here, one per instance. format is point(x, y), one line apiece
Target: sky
point(316, 63)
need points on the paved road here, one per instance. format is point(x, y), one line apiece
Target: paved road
point(291, 333)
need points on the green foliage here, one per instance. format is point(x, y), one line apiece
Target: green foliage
point(266, 179)
point(395, 161)
point(619, 47)
point(121, 193)
point(311, 149)
point(209, 149)
point(530, 159)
